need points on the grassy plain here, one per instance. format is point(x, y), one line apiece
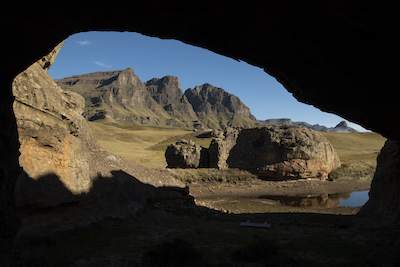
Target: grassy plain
point(146, 144)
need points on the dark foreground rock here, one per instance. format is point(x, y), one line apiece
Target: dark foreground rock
point(384, 201)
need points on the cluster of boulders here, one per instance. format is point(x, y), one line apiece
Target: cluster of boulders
point(275, 152)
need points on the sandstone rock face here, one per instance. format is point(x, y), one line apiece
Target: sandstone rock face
point(62, 160)
point(47, 61)
point(283, 152)
point(48, 126)
point(186, 154)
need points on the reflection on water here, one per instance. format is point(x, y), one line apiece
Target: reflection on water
point(353, 199)
point(356, 199)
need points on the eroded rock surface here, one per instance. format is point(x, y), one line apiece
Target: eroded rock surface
point(220, 148)
point(273, 152)
point(186, 154)
point(62, 160)
point(48, 126)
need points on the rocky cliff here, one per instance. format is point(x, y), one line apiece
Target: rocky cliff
point(120, 95)
point(217, 108)
point(167, 93)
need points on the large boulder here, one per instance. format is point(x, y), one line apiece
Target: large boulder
point(283, 152)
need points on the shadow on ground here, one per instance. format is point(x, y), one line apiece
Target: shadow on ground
point(123, 222)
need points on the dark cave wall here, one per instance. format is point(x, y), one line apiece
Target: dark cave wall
point(9, 171)
point(336, 55)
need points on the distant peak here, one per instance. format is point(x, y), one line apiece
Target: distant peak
point(170, 78)
point(128, 70)
point(128, 76)
point(342, 127)
point(166, 81)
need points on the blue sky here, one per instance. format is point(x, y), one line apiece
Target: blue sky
point(152, 57)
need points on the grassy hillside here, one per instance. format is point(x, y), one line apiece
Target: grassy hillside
point(350, 146)
point(357, 152)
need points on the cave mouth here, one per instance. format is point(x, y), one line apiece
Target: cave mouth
point(81, 46)
point(345, 46)
point(99, 51)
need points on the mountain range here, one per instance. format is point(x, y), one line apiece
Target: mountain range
point(342, 127)
point(121, 95)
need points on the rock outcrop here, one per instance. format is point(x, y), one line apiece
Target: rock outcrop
point(47, 61)
point(48, 128)
point(186, 154)
point(62, 160)
point(273, 152)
